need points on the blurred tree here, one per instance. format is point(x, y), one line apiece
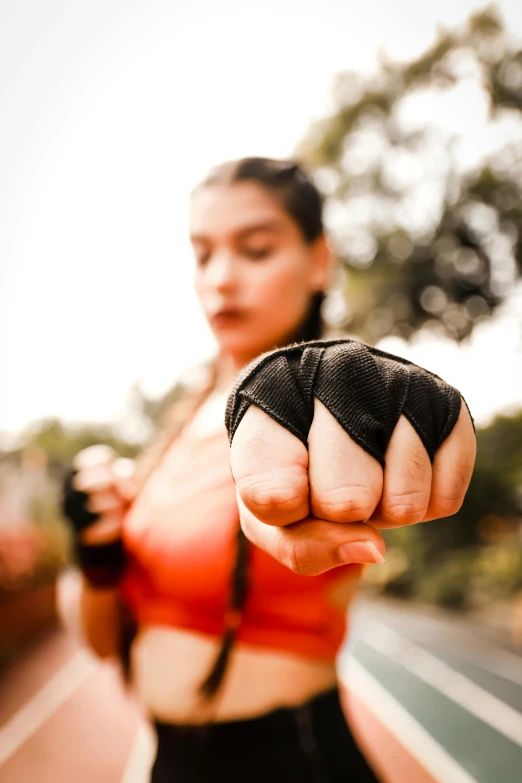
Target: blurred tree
point(421, 164)
point(60, 443)
point(153, 409)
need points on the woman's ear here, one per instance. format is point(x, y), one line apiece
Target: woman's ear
point(322, 263)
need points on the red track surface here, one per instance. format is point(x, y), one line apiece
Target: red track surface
point(87, 738)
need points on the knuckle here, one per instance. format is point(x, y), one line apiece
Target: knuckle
point(448, 503)
point(268, 494)
point(77, 479)
point(91, 456)
point(462, 473)
point(405, 507)
point(449, 494)
point(81, 483)
point(351, 502)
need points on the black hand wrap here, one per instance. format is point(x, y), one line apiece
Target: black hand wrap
point(74, 505)
point(365, 389)
point(101, 564)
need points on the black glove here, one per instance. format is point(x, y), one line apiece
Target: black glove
point(74, 505)
point(365, 389)
point(101, 564)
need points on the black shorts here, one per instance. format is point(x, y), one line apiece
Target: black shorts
point(307, 744)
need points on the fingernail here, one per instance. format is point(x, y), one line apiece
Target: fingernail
point(361, 552)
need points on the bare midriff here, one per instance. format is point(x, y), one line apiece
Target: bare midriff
point(169, 664)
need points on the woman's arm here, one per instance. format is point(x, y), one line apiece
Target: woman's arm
point(97, 497)
point(101, 619)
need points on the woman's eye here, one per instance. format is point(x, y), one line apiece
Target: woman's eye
point(202, 258)
point(257, 253)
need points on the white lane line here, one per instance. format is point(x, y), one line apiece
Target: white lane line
point(474, 699)
point(485, 655)
point(504, 664)
point(141, 757)
point(407, 731)
point(498, 662)
point(35, 712)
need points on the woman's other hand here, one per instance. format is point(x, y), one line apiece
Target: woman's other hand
point(108, 487)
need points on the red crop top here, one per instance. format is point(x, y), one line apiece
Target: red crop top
point(180, 539)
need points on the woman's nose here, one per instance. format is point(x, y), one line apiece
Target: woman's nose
point(222, 271)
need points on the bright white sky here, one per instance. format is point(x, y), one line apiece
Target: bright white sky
point(110, 111)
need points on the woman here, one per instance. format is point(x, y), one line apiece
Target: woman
point(233, 651)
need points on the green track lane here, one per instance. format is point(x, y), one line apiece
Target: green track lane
point(505, 690)
point(482, 751)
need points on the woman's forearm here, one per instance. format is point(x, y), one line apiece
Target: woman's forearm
point(101, 619)
point(96, 497)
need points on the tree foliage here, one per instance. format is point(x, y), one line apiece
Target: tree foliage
point(421, 163)
point(61, 442)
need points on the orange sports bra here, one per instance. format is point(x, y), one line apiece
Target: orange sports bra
point(180, 537)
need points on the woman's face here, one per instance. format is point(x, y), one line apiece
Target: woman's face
point(255, 273)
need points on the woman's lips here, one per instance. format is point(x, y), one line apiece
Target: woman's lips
point(227, 317)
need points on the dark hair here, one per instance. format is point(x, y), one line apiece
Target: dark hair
point(301, 200)
point(285, 180)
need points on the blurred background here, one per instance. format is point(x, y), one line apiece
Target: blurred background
point(409, 115)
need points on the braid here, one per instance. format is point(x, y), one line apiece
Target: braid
point(210, 686)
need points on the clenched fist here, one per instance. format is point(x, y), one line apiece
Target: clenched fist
point(98, 493)
point(334, 439)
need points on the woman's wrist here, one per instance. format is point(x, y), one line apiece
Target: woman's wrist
point(99, 553)
point(95, 507)
point(101, 564)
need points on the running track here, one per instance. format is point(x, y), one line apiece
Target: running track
point(429, 698)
